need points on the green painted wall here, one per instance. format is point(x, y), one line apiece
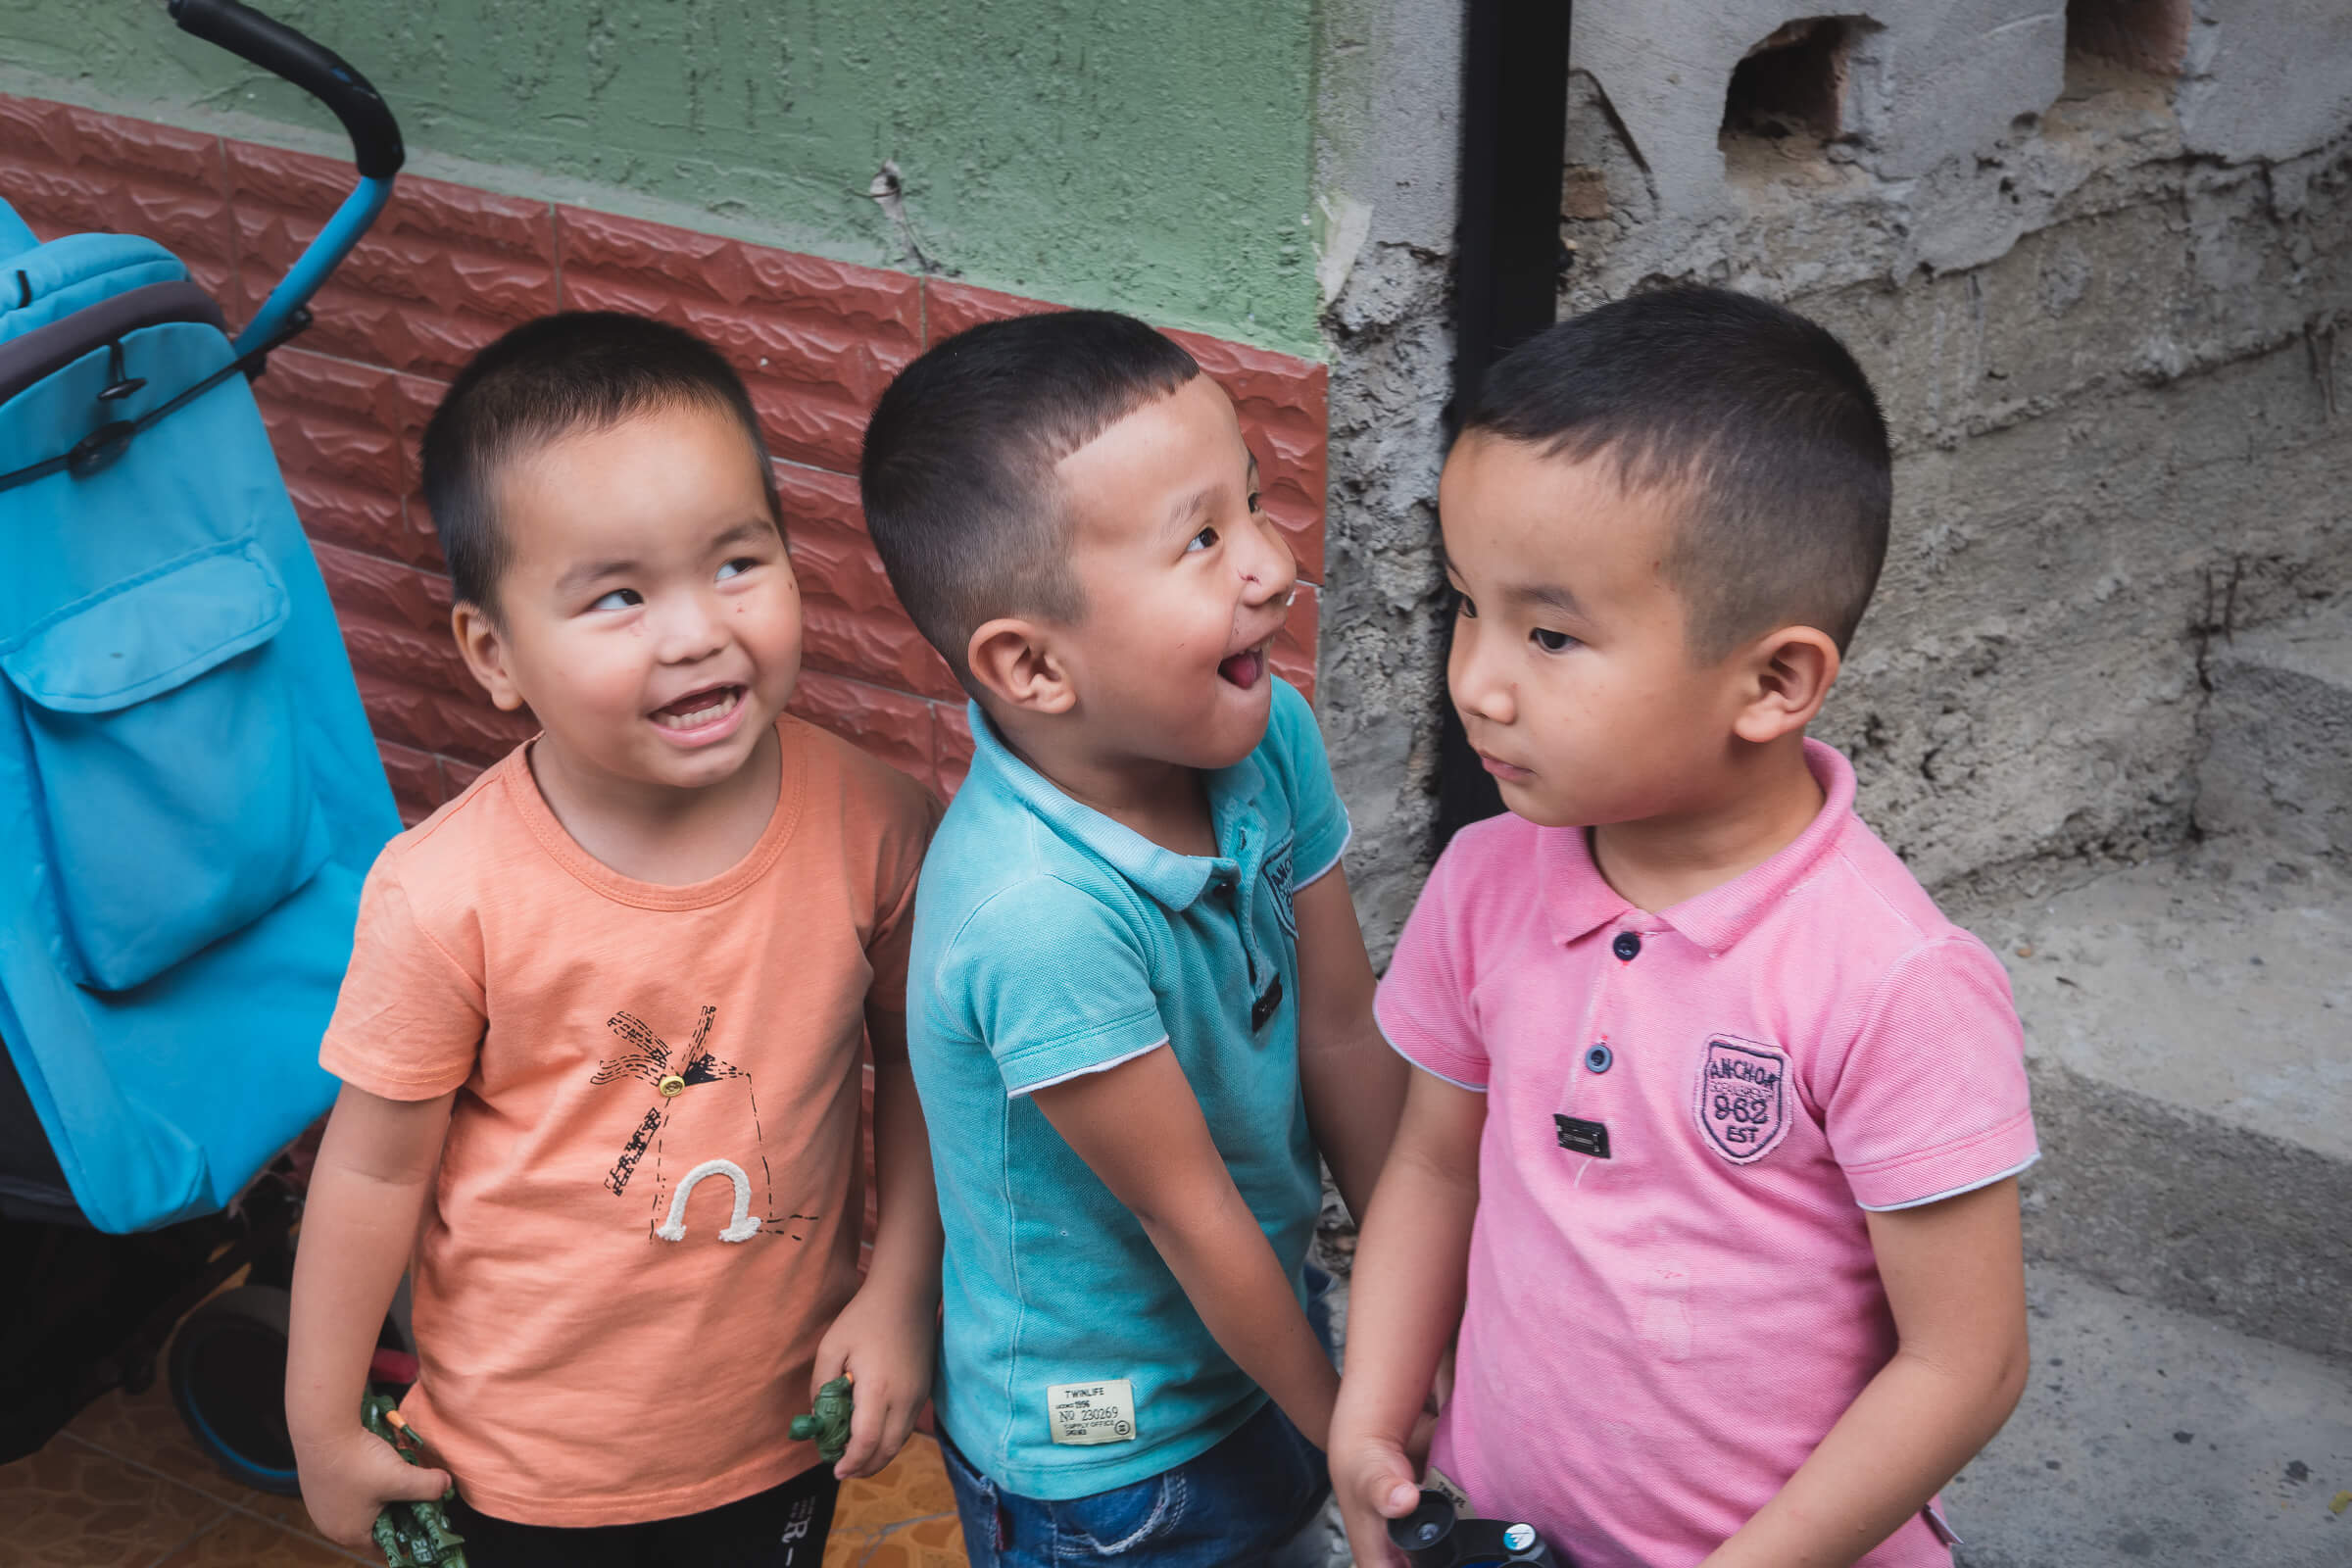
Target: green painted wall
point(1149, 154)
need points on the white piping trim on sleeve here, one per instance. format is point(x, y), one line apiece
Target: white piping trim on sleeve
point(1476, 1088)
point(1938, 1197)
point(1333, 864)
point(1081, 1072)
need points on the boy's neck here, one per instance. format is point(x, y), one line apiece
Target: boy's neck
point(1764, 802)
point(659, 833)
point(1165, 802)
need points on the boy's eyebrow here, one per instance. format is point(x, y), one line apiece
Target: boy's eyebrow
point(1550, 596)
point(1183, 510)
point(749, 528)
point(588, 571)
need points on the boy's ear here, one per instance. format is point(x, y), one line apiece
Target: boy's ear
point(1790, 674)
point(1016, 663)
point(486, 651)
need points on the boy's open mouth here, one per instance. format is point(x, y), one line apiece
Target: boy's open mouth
point(1246, 667)
point(696, 708)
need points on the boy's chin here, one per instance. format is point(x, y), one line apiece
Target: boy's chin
point(1530, 801)
point(1226, 736)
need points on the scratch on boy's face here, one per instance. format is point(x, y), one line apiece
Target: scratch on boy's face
point(1571, 664)
point(1186, 582)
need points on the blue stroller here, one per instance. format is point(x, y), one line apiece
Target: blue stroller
point(189, 798)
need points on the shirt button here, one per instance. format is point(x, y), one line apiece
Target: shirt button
point(671, 1086)
point(1599, 1059)
point(1628, 945)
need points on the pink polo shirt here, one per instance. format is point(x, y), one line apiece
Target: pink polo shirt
point(1672, 1294)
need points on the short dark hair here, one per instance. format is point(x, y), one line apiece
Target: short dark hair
point(574, 370)
point(958, 477)
point(1759, 415)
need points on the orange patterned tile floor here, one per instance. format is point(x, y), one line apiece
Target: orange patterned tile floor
point(125, 1486)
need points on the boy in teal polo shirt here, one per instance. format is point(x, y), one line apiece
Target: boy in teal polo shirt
point(1141, 1002)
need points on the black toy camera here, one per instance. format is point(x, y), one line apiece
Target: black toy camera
point(1434, 1536)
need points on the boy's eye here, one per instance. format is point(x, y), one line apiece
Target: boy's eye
point(1462, 606)
point(1206, 539)
point(1256, 499)
point(618, 599)
point(1551, 642)
point(736, 567)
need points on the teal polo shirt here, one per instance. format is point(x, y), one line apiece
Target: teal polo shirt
point(1052, 941)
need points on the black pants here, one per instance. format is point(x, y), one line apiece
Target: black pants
point(783, 1526)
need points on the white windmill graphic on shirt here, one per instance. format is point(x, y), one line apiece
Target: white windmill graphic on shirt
point(704, 1122)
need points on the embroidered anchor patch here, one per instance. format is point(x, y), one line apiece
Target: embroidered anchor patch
point(1279, 870)
point(1743, 1100)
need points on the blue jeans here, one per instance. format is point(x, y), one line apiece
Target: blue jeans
point(1242, 1504)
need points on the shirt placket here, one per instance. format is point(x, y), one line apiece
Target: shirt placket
point(1237, 877)
point(1595, 1108)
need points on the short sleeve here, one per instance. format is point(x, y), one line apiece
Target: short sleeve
point(893, 939)
point(1930, 1100)
point(1422, 1004)
point(1055, 982)
point(1318, 818)
point(408, 1022)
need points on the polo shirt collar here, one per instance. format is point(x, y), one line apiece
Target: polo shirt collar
point(1582, 899)
point(1168, 878)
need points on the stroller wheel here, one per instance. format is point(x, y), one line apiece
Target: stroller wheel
point(228, 1383)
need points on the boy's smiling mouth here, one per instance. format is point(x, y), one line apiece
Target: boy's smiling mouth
point(698, 709)
point(1246, 668)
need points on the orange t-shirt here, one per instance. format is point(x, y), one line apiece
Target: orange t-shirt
point(648, 1202)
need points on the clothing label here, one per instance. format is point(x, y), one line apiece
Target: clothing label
point(1267, 1002)
point(1092, 1412)
point(1743, 1100)
point(1580, 1137)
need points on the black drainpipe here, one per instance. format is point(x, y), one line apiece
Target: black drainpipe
point(1507, 257)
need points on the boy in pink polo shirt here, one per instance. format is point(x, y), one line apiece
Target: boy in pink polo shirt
point(1712, 1155)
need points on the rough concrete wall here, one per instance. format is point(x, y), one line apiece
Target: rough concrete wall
point(1092, 152)
point(2102, 305)
point(2108, 360)
point(1387, 92)
point(2265, 78)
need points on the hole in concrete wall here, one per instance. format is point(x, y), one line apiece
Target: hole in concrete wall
point(2146, 35)
point(1792, 85)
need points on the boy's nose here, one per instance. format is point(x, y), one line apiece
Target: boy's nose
point(1475, 686)
point(1269, 571)
point(689, 632)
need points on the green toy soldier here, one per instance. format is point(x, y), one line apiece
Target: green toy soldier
point(828, 1423)
point(410, 1534)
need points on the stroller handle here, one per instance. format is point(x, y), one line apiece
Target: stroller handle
point(374, 145)
point(313, 67)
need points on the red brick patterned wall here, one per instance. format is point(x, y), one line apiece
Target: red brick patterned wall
point(446, 269)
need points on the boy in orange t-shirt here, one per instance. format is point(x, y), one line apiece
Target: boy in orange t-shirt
point(601, 1034)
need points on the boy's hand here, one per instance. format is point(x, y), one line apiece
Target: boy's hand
point(1372, 1476)
point(885, 1341)
point(347, 1479)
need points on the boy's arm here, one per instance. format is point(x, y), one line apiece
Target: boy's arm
point(886, 1337)
point(1139, 1127)
point(1405, 1302)
point(1954, 1273)
point(1353, 1083)
point(366, 1194)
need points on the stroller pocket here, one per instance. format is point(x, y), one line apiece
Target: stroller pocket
point(171, 786)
